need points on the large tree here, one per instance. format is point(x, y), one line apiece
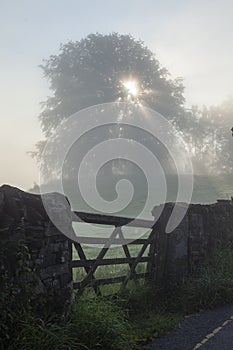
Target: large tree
point(100, 69)
point(94, 69)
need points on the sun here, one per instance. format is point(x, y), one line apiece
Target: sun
point(131, 87)
point(132, 90)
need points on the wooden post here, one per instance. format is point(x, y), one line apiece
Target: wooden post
point(151, 265)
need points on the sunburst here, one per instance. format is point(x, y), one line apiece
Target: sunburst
point(131, 87)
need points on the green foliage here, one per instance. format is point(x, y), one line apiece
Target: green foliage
point(147, 312)
point(148, 326)
point(152, 312)
point(91, 324)
point(139, 313)
point(36, 334)
point(211, 286)
point(14, 286)
point(101, 324)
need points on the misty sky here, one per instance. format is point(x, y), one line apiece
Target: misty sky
point(192, 39)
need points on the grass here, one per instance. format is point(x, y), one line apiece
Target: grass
point(152, 312)
point(210, 286)
point(148, 313)
point(91, 324)
point(111, 270)
point(136, 315)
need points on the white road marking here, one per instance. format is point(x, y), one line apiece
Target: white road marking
point(212, 334)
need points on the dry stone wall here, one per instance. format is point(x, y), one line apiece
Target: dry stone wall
point(23, 218)
point(204, 230)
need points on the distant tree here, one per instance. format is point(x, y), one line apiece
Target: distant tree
point(213, 147)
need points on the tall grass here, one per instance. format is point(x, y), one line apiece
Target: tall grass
point(139, 313)
point(210, 286)
point(91, 324)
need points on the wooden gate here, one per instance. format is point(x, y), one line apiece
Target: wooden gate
point(116, 238)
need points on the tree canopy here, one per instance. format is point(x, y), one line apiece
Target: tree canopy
point(93, 71)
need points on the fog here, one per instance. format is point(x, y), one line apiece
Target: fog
point(192, 40)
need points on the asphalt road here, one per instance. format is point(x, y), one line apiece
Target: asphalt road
point(212, 330)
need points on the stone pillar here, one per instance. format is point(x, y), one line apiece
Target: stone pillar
point(172, 249)
point(22, 217)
